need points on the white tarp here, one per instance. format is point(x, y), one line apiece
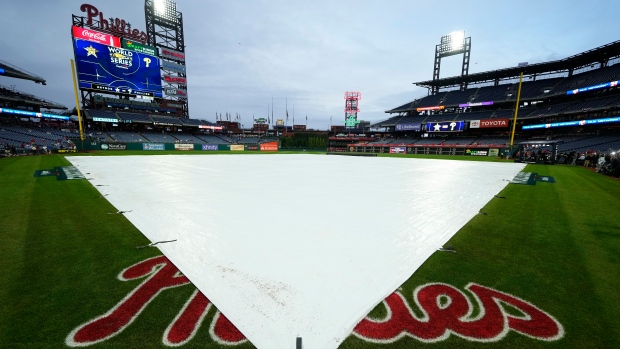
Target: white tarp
point(293, 246)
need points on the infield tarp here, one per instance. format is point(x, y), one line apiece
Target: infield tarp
point(315, 257)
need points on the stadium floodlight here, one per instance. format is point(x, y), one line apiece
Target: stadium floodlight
point(458, 40)
point(166, 9)
point(452, 44)
point(454, 41)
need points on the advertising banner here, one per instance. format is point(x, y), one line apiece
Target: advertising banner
point(209, 147)
point(477, 152)
point(595, 87)
point(175, 79)
point(237, 147)
point(207, 127)
point(153, 146)
point(439, 107)
point(114, 146)
point(253, 147)
point(567, 123)
point(104, 119)
point(175, 92)
point(489, 123)
point(477, 104)
point(183, 147)
point(397, 150)
point(95, 36)
point(139, 47)
point(172, 54)
point(409, 127)
point(32, 114)
point(445, 126)
point(173, 66)
point(271, 146)
point(494, 152)
point(116, 70)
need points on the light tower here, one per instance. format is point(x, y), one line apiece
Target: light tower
point(164, 26)
point(351, 108)
point(452, 44)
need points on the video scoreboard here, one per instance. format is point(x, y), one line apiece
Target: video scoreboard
point(445, 126)
point(117, 70)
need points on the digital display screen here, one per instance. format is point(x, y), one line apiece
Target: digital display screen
point(409, 127)
point(572, 123)
point(32, 114)
point(439, 107)
point(116, 70)
point(477, 104)
point(590, 88)
point(445, 126)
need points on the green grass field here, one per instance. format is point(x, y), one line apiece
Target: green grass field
point(555, 245)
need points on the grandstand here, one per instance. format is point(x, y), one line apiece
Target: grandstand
point(575, 99)
point(16, 102)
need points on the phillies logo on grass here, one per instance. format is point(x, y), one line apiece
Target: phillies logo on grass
point(445, 311)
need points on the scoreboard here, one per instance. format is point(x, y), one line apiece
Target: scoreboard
point(445, 126)
point(116, 70)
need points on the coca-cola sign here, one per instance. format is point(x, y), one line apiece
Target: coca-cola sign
point(116, 26)
point(434, 312)
point(95, 36)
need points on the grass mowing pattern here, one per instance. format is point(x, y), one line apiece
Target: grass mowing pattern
point(554, 245)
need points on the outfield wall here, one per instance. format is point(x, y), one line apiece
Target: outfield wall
point(104, 146)
point(435, 150)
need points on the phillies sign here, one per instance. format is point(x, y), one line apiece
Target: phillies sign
point(95, 36)
point(441, 311)
point(489, 123)
point(114, 25)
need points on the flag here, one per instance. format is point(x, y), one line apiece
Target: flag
point(287, 115)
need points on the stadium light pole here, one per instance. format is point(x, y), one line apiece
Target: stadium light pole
point(451, 44)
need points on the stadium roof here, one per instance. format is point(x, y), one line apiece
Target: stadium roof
point(596, 55)
point(12, 71)
point(16, 95)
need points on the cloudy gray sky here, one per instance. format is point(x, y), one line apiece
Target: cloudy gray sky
point(240, 54)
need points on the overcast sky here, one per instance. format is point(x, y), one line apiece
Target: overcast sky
point(240, 54)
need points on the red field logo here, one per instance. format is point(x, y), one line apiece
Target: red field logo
point(446, 311)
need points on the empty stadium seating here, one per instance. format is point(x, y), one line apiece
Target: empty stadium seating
point(128, 137)
point(134, 117)
point(530, 90)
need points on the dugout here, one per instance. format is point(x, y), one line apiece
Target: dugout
point(539, 152)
